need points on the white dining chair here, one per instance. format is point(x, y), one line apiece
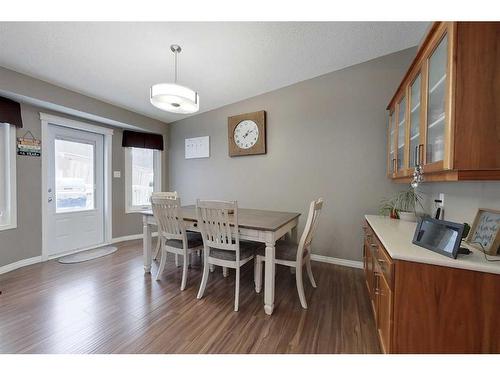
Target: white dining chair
point(294, 255)
point(172, 233)
point(170, 195)
point(218, 223)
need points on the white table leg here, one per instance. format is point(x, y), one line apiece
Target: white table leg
point(270, 270)
point(146, 244)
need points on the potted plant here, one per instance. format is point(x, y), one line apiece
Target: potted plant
point(388, 208)
point(403, 205)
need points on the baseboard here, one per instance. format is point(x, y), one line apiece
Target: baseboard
point(38, 259)
point(19, 264)
point(337, 261)
point(131, 237)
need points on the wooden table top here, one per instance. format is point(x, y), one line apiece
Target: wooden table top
point(248, 218)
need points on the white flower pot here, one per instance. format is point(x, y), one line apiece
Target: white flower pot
point(407, 216)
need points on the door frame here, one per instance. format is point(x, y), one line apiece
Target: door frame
point(46, 120)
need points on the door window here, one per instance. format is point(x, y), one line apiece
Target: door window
point(75, 176)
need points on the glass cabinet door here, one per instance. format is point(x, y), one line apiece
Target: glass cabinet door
point(414, 121)
point(401, 134)
point(436, 97)
point(392, 143)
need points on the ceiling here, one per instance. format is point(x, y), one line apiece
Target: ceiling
point(225, 62)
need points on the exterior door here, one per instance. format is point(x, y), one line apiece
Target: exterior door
point(75, 190)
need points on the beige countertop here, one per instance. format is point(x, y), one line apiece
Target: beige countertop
point(396, 236)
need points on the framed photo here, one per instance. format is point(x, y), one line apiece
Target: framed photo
point(486, 231)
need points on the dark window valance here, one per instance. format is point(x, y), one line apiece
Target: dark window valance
point(142, 140)
point(10, 112)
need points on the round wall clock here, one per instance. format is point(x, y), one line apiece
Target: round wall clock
point(246, 134)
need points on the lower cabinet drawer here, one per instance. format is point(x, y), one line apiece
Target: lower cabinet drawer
point(384, 313)
point(379, 271)
point(385, 263)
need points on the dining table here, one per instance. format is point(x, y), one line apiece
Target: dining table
point(256, 225)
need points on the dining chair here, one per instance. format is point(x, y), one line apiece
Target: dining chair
point(218, 223)
point(170, 195)
point(172, 233)
point(294, 255)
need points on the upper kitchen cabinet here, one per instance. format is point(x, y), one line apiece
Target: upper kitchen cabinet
point(445, 115)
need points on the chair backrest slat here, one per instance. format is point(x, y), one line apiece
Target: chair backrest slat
point(218, 227)
point(310, 228)
point(168, 214)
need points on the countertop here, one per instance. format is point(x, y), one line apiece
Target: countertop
point(396, 236)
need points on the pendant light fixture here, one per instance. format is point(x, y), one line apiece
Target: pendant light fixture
point(172, 97)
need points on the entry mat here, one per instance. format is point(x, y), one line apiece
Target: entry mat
point(83, 256)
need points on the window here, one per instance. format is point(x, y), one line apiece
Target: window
point(8, 217)
point(142, 177)
point(75, 181)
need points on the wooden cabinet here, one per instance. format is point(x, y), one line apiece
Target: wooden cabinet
point(424, 308)
point(384, 312)
point(378, 273)
point(444, 114)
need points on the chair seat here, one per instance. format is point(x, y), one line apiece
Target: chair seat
point(247, 250)
point(194, 240)
point(284, 250)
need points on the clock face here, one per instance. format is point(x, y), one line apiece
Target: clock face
point(246, 134)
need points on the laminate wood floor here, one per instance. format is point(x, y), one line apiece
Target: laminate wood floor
point(109, 305)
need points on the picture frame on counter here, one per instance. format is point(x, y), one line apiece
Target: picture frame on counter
point(485, 230)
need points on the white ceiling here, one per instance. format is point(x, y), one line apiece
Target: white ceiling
point(225, 62)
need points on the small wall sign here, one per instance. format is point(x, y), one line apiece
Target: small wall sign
point(29, 146)
point(196, 148)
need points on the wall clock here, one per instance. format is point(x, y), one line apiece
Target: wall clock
point(247, 134)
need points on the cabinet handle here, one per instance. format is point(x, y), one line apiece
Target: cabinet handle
point(381, 260)
point(394, 165)
point(420, 154)
point(416, 156)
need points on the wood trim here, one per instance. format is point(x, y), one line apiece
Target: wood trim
point(450, 33)
point(388, 172)
point(408, 123)
point(482, 175)
point(454, 175)
point(423, 119)
point(403, 171)
point(434, 42)
point(416, 61)
point(434, 167)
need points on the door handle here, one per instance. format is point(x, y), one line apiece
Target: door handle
point(49, 200)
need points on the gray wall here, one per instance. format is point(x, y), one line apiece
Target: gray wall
point(25, 241)
point(462, 199)
point(326, 138)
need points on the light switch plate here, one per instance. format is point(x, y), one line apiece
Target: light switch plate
point(117, 174)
